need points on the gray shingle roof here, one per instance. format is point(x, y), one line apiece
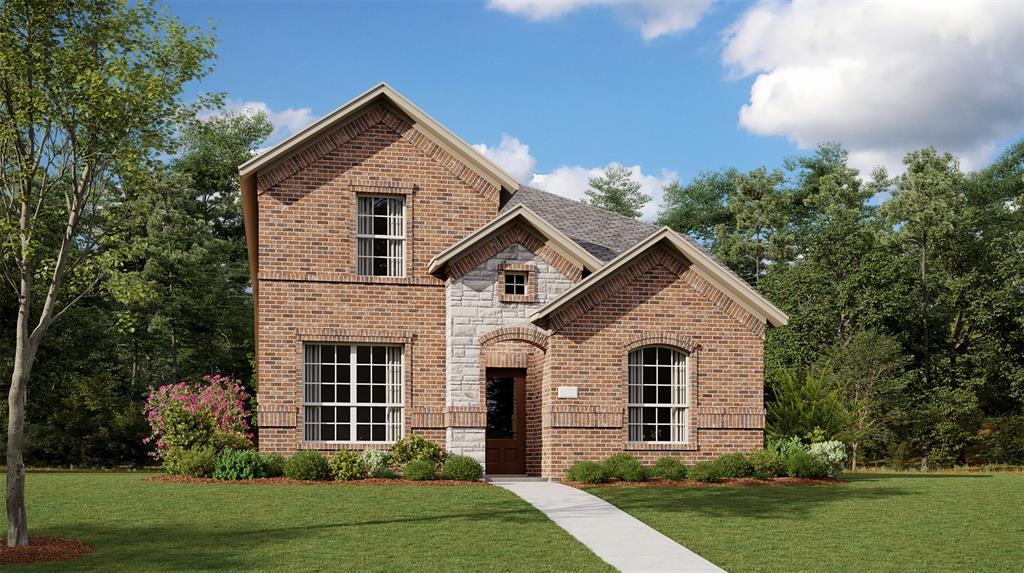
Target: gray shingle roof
point(603, 233)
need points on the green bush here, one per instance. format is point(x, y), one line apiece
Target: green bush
point(225, 440)
point(348, 465)
point(735, 465)
point(669, 468)
point(195, 462)
point(462, 468)
point(419, 470)
point(378, 462)
point(707, 472)
point(766, 463)
point(625, 467)
point(385, 473)
point(414, 447)
point(274, 464)
point(804, 464)
point(308, 465)
point(587, 472)
point(785, 447)
point(239, 464)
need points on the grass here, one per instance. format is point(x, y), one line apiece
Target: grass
point(144, 526)
point(877, 522)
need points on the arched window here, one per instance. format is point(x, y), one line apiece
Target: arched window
point(658, 395)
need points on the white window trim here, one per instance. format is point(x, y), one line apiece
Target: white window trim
point(400, 238)
point(394, 394)
point(679, 423)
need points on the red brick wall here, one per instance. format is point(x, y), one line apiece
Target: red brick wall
point(308, 288)
point(589, 350)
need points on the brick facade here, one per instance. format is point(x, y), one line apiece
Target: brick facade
point(456, 324)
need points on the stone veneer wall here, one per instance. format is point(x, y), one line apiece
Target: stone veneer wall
point(472, 310)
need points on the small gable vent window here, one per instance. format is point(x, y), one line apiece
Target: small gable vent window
point(658, 395)
point(515, 283)
point(380, 236)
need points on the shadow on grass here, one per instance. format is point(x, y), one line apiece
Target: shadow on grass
point(781, 502)
point(191, 546)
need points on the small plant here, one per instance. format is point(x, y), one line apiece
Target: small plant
point(462, 468)
point(194, 462)
point(273, 464)
point(348, 465)
point(308, 465)
point(377, 461)
point(707, 472)
point(785, 447)
point(239, 464)
point(669, 468)
point(803, 464)
point(386, 473)
point(766, 463)
point(735, 465)
point(833, 453)
point(420, 470)
point(587, 472)
point(414, 447)
point(625, 467)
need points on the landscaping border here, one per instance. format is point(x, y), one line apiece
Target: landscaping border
point(726, 482)
point(287, 481)
point(43, 549)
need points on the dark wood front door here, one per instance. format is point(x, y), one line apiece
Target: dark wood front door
point(506, 421)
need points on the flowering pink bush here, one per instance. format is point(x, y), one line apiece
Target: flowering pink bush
point(209, 413)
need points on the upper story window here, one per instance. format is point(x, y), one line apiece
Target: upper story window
point(380, 236)
point(658, 395)
point(515, 282)
point(352, 393)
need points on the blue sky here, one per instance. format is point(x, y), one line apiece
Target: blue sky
point(657, 86)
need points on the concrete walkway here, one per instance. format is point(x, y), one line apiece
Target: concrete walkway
point(625, 542)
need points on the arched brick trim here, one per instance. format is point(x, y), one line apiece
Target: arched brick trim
point(660, 339)
point(377, 114)
point(526, 334)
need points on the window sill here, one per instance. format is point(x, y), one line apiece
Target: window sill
point(661, 446)
point(347, 445)
point(517, 298)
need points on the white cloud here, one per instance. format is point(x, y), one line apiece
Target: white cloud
point(883, 78)
point(573, 182)
point(654, 18)
point(512, 156)
point(286, 121)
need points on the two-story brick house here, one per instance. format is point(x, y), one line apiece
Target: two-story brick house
point(404, 284)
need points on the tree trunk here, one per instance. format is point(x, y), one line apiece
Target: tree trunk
point(174, 355)
point(853, 457)
point(24, 355)
point(925, 304)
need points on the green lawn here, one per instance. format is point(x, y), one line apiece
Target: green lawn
point(877, 522)
point(144, 526)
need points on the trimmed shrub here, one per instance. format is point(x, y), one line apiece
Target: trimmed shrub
point(625, 467)
point(734, 465)
point(707, 472)
point(669, 468)
point(785, 447)
point(766, 463)
point(414, 447)
point(587, 472)
point(419, 470)
point(308, 465)
point(348, 465)
point(239, 464)
point(274, 464)
point(462, 468)
point(832, 453)
point(194, 462)
point(803, 464)
point(377, 462)
point(385, 473)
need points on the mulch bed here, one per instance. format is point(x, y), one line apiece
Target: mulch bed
point(729, 482)
point(42, 549)
point(286, 481)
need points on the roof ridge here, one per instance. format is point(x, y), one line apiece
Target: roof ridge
point(588, 206)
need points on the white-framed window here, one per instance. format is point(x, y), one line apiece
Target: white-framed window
point(658, 395)
point(352, 393)
point(380, 235)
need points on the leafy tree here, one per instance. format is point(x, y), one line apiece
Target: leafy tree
point(90, 95)
point(700, 208)
point(616, 191)
point(807, 407)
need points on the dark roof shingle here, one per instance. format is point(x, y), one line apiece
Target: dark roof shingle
point(602, 233)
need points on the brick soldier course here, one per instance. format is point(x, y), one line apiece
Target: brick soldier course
point(596, 288)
